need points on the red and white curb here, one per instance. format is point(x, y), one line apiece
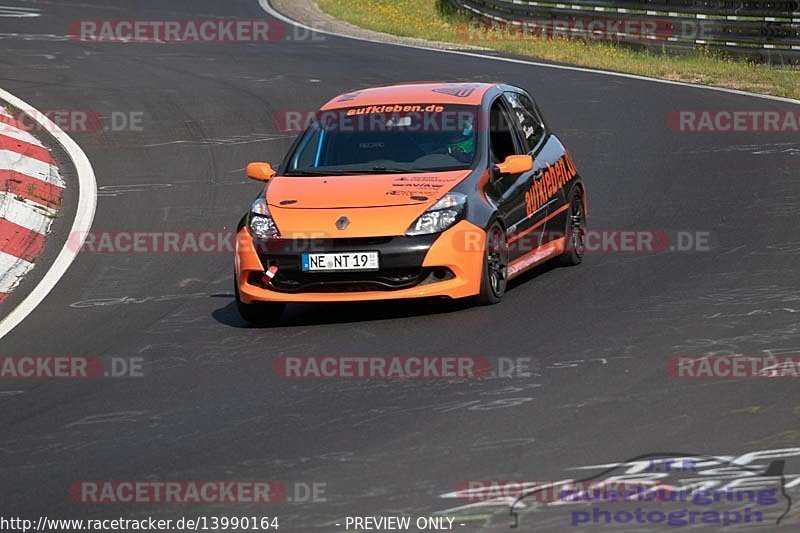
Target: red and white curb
point(30, 197)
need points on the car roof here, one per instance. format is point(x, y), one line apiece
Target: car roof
point(414, 93)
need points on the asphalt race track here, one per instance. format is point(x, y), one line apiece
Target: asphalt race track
point(210, 406)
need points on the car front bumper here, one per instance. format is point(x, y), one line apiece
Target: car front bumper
point(446, 265)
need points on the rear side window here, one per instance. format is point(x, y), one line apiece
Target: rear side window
point(530, 122)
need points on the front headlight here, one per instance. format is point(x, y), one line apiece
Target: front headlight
point(441, 215)
point(261, 223)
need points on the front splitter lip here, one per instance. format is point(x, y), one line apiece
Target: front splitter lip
point(446, 289)
point(460, 249)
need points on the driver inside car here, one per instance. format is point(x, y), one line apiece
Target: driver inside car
point(461, 145)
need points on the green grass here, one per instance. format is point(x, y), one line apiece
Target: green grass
point(436, 20)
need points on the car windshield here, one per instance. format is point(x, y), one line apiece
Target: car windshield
point(387, 139)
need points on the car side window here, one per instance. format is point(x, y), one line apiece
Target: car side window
point(501, 133)
point(528, 118)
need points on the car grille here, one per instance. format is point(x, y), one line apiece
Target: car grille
point(292, 281)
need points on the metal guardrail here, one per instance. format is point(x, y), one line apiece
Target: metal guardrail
point(767, 30)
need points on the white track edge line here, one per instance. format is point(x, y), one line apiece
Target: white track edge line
point(267, 6)
point(84, 216)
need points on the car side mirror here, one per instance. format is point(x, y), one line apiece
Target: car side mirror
point(260, 172)
point(516, 164)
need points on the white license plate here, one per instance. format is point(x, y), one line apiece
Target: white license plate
point(343, 262)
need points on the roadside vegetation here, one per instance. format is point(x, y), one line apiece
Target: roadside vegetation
point(437, 20)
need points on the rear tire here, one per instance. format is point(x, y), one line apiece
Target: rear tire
point(495, 267)
point(259, 312)
point(575, 232)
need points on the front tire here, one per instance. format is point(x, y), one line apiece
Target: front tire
point(575, 231)
point(495, 266)
point(257, 313)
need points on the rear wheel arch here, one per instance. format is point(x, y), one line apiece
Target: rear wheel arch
point(582, 189)
point(573, 251)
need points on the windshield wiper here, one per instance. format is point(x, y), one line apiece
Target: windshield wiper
point(324, 172)
point(389, 170)
point(354, 171)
